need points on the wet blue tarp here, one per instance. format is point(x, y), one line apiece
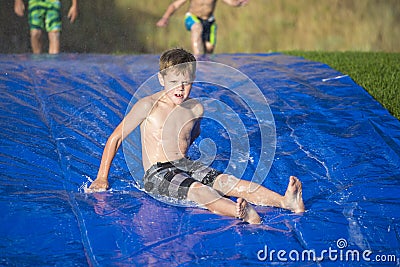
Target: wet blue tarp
point(57, 112)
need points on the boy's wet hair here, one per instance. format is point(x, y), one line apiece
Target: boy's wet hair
point(178, 58)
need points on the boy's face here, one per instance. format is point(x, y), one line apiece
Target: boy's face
point(177, 85)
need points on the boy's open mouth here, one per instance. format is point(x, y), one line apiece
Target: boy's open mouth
point(179, 95)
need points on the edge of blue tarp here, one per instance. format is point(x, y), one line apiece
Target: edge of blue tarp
point(57, 111)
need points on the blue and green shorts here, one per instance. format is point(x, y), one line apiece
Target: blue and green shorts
point(45, 15)
point(209, 27)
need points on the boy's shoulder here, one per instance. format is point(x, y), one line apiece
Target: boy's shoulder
point(195, 105)
point(147, 103)
point(151, 99)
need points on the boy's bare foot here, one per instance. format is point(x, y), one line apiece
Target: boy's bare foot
point(246, 212)
point(293, 199)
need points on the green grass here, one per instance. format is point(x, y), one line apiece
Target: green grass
point(377, 72)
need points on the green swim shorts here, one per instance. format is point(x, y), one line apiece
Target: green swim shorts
point(45, 14)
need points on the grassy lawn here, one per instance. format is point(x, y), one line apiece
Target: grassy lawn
point(377, 72)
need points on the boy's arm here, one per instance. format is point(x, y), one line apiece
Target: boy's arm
point(169, 12)
point(196, 131)
point(236, 2)
point(111, 148)
point(73, 11)
point(19, 7)
point(198, 111)
point(136, 116)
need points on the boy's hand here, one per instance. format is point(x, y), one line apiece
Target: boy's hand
point(73, 13)
point(98, 185)
point(162, 22)
point(19, 7)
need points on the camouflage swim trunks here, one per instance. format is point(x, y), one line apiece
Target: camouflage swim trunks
point(173, 179)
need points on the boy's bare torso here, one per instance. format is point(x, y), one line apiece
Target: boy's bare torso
point(168, 129)
point(202, 8)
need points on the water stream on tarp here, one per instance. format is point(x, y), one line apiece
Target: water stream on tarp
point(57, 112)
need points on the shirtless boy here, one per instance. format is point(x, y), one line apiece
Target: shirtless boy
point(45, 15)
point(200, 21)
point(169, 122)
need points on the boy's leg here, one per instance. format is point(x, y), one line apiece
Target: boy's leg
point(196, 38)
point(36, 41)
point(260, 195)
point(54, 42)
point(209, 48)
point(209, 198)
point(211, 38)
point(53, 25)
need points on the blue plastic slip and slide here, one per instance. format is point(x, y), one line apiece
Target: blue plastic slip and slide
point(57, 112)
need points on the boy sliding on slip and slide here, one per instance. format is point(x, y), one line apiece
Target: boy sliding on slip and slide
point(169, 122)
